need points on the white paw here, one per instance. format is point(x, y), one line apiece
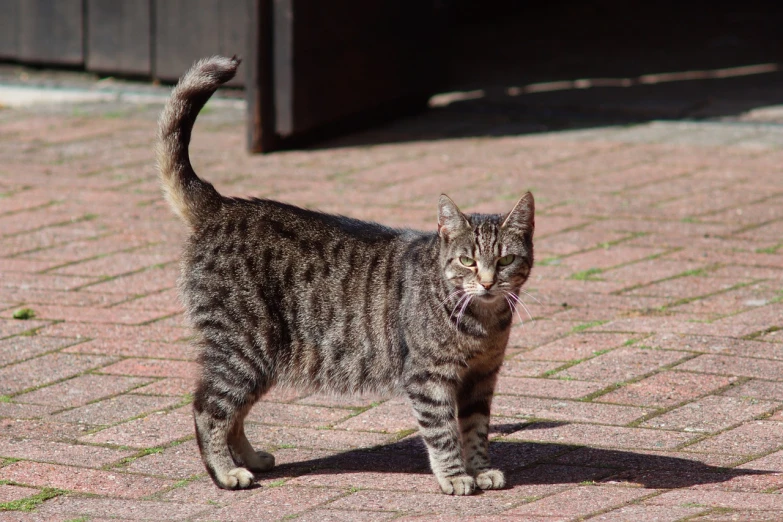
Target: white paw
point(461, 485)
point(491, 479)
point(237, 478)
point(261, 461)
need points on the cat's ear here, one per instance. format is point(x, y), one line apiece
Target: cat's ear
point(522, 217)
point(450, 219)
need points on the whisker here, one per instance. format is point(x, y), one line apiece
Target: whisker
point(531, 296)
point(514, 309)
point(518, 300)
point(456, 306)
point(452, 294)
point(462, 311)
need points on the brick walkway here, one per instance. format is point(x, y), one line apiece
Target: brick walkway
point(648, 387)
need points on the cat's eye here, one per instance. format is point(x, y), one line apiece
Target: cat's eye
point(506, 260)
point(467, 261)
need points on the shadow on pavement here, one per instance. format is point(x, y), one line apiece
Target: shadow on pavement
point(531, 463)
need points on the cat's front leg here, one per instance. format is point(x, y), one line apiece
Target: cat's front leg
point(434, 406)
point(474, 401)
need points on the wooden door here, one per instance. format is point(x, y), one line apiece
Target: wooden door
point(324, 67)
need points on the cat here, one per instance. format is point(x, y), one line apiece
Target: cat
point(280, 295)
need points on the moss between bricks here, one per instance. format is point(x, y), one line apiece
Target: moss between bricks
point(24, 314)
point(30, 503)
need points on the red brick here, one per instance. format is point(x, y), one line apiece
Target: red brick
point(177, 462)
point(295, 415)
point(520, 367)
point(203, 492)
point(115, 409)
point(716, 345)
point(10, 493)
point(603, 258)
point(758, 390)
point(536, 333)
point(153, 368)
point(113, 509)
point(43, 281)
point(311, 438)
point(338, 515)
point(148, 332)
point(750, 438)
point(115, 264)
point(720, 499)
point(666, 389)
point(24, 411)
point(94, 315)
point(169, 386)
point(274, 503)
point(731, 515)
point(710, 414)
point(581, 501)
point(147, 281)
point(60, 453)
point(326, 399)
point(565, 410)
point(10, 327)
point(24, 347)
point(648, 271)
point(622, 364)
point(48, 368)
point(40, 429)
point(576, 346)
point(740, 366)
point(554, 388)
point(650, 513)
point(390, 481)
point(80, 390)
point(136, 348)
point(409, 502)
point(390, 417)
point(156, 429)
point(83, 480)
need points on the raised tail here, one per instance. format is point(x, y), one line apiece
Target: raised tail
point(190, 197)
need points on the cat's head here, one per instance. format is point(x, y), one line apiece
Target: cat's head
point(486, 255)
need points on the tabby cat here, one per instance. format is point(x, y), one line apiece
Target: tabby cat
point(279, 295)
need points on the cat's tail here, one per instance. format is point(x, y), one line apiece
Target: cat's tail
point(190, 197)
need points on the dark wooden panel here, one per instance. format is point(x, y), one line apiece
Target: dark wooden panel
point(9, 25)
point(51, 31)
point(186, 30)
point(259, 90)
point(343, 58)
point(119, 36)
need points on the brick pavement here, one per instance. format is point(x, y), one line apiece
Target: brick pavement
point(649, 385)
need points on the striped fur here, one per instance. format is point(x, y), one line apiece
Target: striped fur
point(279, 295)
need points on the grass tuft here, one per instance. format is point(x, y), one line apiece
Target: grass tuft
point(24, 314)
point(32, 502)
point(587, 275)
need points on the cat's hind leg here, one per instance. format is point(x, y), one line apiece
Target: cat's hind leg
point(242, 450)
point(219, 407)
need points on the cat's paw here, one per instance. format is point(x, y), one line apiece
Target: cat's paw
point(237, 478)
point(491, 479)
point(261, 461)
point(460, 485)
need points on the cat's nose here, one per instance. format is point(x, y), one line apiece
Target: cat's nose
point(487, 286)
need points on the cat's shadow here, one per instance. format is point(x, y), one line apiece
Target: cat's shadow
point(533, 463)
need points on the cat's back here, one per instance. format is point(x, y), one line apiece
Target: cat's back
point(322, 291)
